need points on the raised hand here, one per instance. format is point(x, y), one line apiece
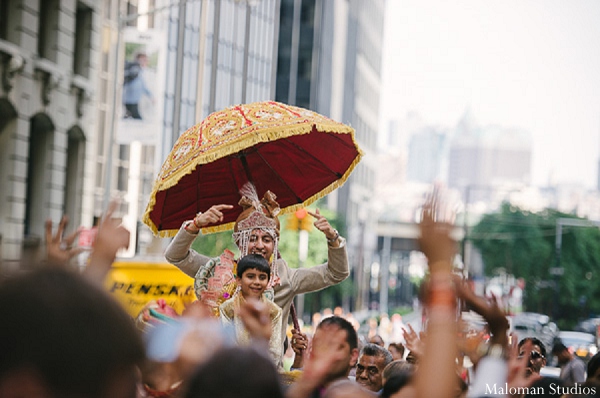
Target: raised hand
point(413, 343)
point(488, 309)
point(255, 317)
point(210, 216)
point(327, 350)
point(323, 225)
point(60, 250)
point(435, 227)
point(518, 377)
point(110, 238)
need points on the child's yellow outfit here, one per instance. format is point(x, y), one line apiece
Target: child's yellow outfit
point(228, 317)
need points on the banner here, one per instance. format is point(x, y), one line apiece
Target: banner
point(134, 284)
point(141, 114)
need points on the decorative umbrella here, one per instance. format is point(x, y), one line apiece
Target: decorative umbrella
point(297, 154)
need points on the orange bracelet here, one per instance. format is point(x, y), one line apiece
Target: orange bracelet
point(197, 226)
point(187, 224)
point(442, 298)
point(442, 291)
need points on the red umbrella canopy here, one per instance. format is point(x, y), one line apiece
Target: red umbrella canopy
point(297, 154)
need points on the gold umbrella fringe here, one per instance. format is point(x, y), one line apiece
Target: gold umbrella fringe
point(243, 142)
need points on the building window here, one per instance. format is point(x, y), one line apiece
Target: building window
point(122, 178)
point(48, 29)
point(4, 12)
point(10, 17)
point(132, 9)
point(74, 176)
point(83, 40)
point(41, 138)
point(123, 168)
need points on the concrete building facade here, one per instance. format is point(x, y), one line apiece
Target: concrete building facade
point(49, 59)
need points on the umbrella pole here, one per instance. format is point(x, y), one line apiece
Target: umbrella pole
point(294, 317)
point(246, 169)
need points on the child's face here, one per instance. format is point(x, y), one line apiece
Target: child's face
point(253, 283)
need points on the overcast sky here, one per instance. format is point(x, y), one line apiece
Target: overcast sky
point(531, 64)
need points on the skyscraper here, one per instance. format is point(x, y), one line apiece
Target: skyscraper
point(330, 61)
point(481, 156)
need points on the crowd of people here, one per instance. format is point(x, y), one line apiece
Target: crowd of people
point(62, 335)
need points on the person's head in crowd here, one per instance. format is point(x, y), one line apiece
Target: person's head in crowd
point(377, 339)
point(399, 385)
point(396, 318)
point(373, 323)
point(316, 319)
point(397, 350)
point(562, 353)
point(235, 372)
point(160, 379)
point(350, 318)
point(384, 320)
point(333, 324)
point(593, 369)
point(396, 367)
point(344, 388)
point(369, 369)
point(537, 356)
point(61, 336)
point(253, 273)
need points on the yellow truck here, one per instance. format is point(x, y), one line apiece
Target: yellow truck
point(135, 283)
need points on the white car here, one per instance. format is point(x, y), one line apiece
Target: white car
point(581, 344)
point(550, 371)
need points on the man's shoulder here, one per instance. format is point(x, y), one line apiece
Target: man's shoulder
point(579, 362)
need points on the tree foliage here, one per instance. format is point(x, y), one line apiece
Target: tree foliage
point(523, 244)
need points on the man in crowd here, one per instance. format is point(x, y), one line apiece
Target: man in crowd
point(572, 368)
point(537, 356)
point(371, 362)
point(334, 352)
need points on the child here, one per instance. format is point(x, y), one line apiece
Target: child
point(252, 276)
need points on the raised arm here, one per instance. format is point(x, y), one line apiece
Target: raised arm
point(334, 271)
point(440, 347)
point(179, 252)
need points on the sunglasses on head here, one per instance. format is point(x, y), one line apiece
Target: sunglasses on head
point(532, 355)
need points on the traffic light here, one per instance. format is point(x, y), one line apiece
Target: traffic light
point(304, 218)
point(300, 221)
